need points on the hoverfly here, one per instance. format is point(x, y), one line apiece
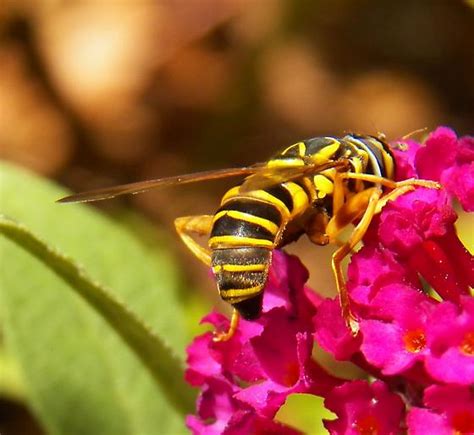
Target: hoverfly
point(315, 187)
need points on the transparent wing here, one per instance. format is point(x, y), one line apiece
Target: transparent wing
point(144, 186)
point(270, 176)
point(261, 176)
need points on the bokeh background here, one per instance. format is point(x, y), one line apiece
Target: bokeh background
point(102, 92)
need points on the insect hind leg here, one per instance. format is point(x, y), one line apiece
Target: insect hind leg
point(188, 226)
point(234, 323)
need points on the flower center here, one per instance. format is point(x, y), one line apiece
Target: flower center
point(463, 422)
point(291, 375)
point(367, 425)
point(467, 346)
point(415, 340)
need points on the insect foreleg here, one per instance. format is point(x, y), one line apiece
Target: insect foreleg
point(391, 196)
point(368, 201)
point(430, 184)
point(195, 225)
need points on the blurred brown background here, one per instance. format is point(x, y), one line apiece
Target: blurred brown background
point(101, 92)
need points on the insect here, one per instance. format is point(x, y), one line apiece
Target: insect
point(316, 187)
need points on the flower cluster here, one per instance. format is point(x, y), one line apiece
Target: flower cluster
point(410, 289)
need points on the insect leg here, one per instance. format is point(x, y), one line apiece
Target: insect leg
point(430, 184)
point(391, 196)
point(199, 225)
point(370, 178)
point(315, 228)
point(367, 200)
point(338, 193)
point(202, 225)
point(234, 323)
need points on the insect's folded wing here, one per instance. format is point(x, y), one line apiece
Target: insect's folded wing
point(273, 175)
point(144, 186)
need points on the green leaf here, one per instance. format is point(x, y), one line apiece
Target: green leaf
point(80, 375)
point(306, 413)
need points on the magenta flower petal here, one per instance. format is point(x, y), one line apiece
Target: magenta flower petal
point(451, 341)
point(408, 306)
point(219, 413)
point(405, 158)
point(449, 275)
point(420, 421)
point(459, 181)
point(372, 268)
point(415, 217)
point(396, 342)
point(438, 154)
point(331, 332)
point(207, 359)
point(287, 274)
point(450, 161)
point(364, 408)
point(215, 408)
point(247, 422)
point(201, 364)
point(449, 406)
point(418, 228)
point(286, 360)
point(279, 347)
point(383, 346)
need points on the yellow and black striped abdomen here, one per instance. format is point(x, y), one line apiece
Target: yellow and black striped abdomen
point(243, 236)
point(246, 229)
point(241, 274)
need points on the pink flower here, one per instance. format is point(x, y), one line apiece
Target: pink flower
point(215, 408)
point(418, 228)
point(331, 332)
point(371, 269)
point(285, 358)
point(451, 342)
point(450, 160)
point(449, 410)
point(403, 320)
point(413, 328)
point(364, 408)
point(272, 355)
point(220, 413)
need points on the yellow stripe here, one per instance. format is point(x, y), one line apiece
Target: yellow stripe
point(236, 300)
point(386, 156)
point(359, 167)
point(265, 196)
point(231, 193)
point(216, 241)
point(324, 154)
point(265, 223)
point(239, 268)
point(287, 162)
point(389, 167)
point(387, 161)
point(301, 149)
point(239, 292)
point(299, 196)
point(323, 185)
point(257, 194)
